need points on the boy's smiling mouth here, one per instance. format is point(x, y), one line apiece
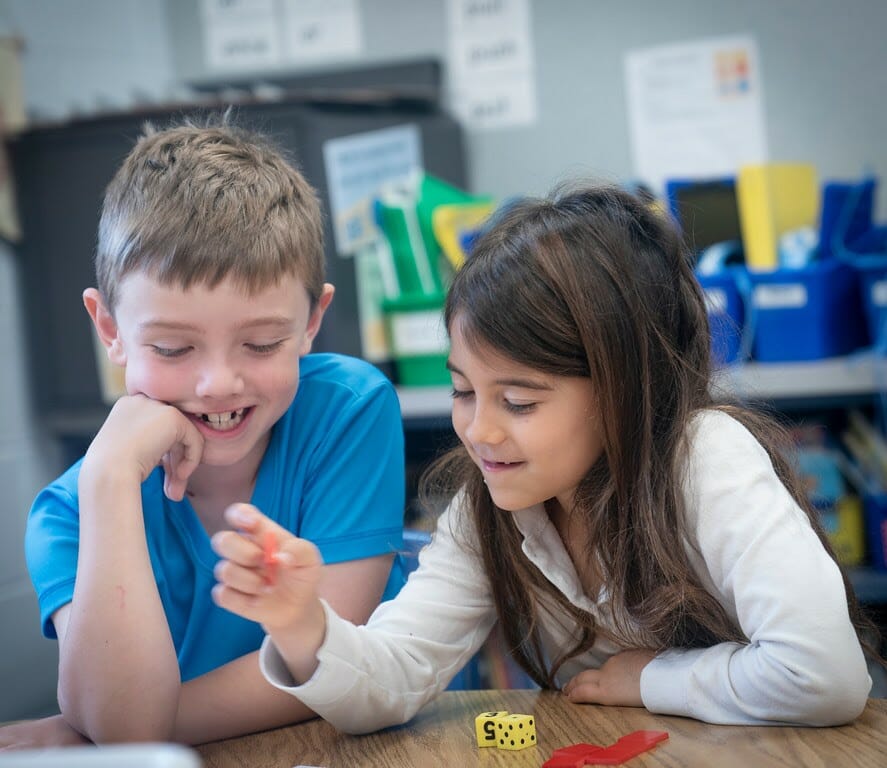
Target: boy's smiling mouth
point(223, 421)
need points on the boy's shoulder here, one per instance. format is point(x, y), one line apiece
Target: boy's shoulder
point(338, 397)
point(329, 372)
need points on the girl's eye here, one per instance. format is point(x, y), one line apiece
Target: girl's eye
point(264, 349)
point(169, 352)
point(519, 407)
point(458, 394)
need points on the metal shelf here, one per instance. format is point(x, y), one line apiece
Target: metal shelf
point(858, 375)
point(424, 402)
point(870, 585)
point(861, 374)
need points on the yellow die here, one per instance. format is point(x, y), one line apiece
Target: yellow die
point(515, 732)
point(485, 727)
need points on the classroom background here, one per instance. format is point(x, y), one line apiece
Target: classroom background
point(501, 111)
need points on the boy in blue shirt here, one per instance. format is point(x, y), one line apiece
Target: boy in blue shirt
point(210, 293)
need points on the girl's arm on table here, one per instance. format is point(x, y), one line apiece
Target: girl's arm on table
point(759, 556)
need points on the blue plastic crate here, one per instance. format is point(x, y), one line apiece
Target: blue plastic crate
point(872, 272)
point(807, 314)
point(726, 315)
point(875, 506)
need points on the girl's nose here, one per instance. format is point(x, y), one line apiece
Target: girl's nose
point(483, 429)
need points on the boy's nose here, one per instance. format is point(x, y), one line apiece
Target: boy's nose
point(219, 380)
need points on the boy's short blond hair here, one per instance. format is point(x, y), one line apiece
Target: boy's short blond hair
point(197, 204)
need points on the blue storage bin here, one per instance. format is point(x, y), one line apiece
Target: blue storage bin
point(872, 272)
point(875, 506)
point(726, 315)
point(807, 314)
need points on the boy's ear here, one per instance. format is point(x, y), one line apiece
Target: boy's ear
point(105, 325)
point(326, 296)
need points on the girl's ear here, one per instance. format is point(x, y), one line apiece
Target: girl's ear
point(316, 318)
point(105, 325)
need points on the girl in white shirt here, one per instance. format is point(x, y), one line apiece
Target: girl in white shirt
point(639, 544)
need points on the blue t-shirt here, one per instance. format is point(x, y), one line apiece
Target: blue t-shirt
point(333, 473)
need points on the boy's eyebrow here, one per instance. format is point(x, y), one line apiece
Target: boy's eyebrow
point(166, 325)
point(514, 381)
point(280, 321)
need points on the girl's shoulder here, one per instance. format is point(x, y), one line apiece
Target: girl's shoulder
point(716, 441)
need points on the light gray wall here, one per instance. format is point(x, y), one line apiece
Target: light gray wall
point(28, 663)
point(823, 64)
point(79, 56)
point(825, 82)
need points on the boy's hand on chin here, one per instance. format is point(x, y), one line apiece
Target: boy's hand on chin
point(616, 683)
point(139, 434)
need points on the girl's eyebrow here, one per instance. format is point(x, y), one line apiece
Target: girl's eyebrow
point(513, 381)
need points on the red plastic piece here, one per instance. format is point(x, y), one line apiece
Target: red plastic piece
point(570, 757)
point(627, 747)
point(269, 556)
point(578, 755)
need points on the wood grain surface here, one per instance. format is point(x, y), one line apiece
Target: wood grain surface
point(443, 734)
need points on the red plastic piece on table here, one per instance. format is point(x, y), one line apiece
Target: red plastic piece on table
point(570, 757)
point(627, 747)
point(269, 556)
point(578, 755)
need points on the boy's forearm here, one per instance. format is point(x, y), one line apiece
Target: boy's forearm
point(118, 672)
point(233, 700)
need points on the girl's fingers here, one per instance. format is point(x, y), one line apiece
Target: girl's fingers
point(237, 548)
point(246, 518)
point(585, 687)
point(299, 553)
point(249, 581)
point(234, 601)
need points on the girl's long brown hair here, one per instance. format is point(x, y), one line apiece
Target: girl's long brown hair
point(592, 282)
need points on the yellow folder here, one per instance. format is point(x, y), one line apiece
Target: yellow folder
point(773, 199)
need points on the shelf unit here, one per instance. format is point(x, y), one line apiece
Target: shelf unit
point(860, 375)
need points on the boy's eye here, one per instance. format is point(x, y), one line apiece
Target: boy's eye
point(169, 351)
point(264, 349)
point(458, 394)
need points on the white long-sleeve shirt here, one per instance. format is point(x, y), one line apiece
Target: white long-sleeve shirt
point(752, 547)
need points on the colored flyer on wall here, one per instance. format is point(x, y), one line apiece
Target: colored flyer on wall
point(695, 110)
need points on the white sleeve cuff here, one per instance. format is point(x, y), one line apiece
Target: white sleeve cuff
point(664, 681)
point(325, 686)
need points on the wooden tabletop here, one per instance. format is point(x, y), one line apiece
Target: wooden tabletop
point(443, 734)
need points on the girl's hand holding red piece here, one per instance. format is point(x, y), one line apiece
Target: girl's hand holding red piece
point(277, 590)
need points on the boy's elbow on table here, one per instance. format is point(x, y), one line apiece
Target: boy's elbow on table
point(122, 729)
point(116, 725)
